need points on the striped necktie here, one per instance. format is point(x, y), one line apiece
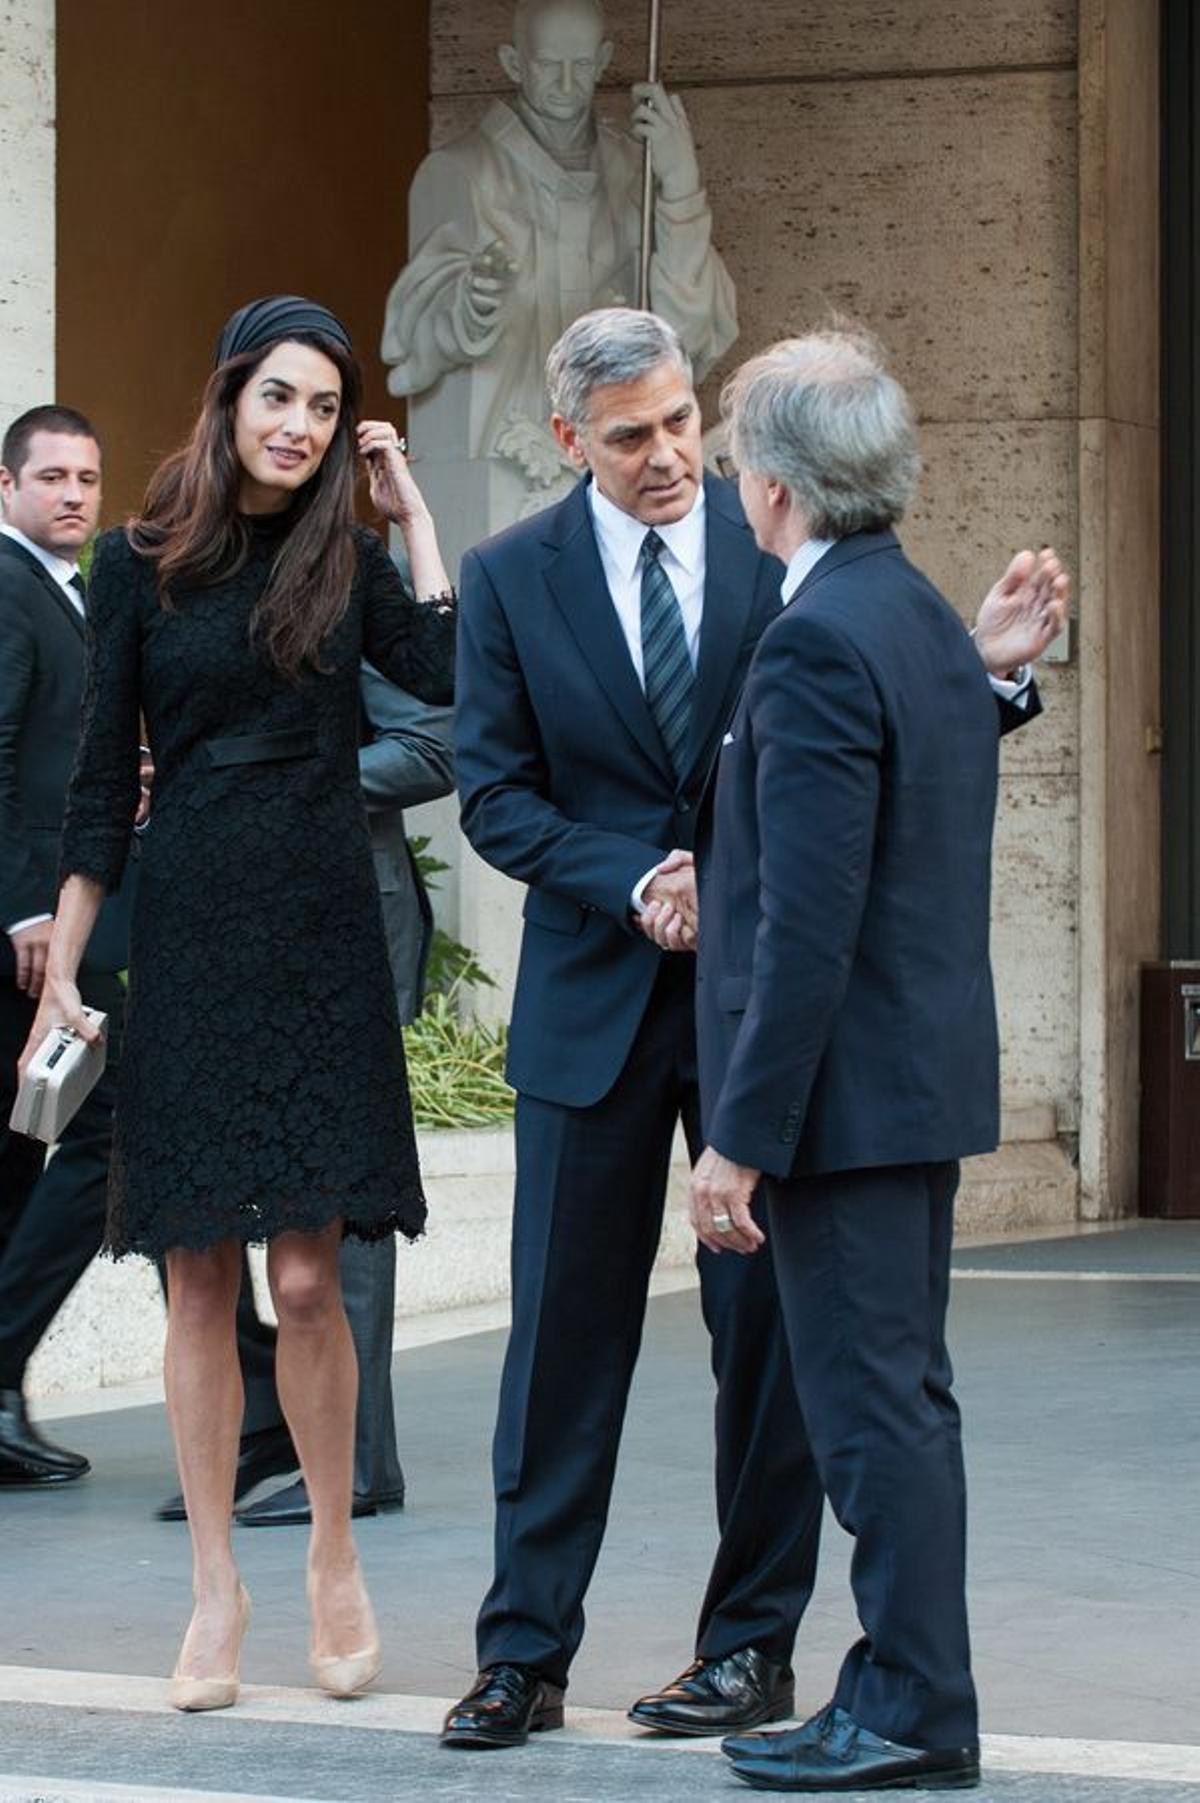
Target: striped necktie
point(669, 678)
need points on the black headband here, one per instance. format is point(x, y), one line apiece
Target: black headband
point(278, 316)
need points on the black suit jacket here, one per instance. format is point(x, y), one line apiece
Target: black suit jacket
point(564, 780)
point(41, 687)
point(845, 1007)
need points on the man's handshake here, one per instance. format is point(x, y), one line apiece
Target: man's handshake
point(669, 913)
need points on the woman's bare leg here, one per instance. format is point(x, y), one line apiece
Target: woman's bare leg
point(316, 1373)
point(204, 1403)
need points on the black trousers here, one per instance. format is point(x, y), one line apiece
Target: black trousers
point(51, 1215)
point(863, 1261)
point(590, 1188)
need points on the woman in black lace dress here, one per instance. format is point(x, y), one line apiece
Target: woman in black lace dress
point(262, 1087)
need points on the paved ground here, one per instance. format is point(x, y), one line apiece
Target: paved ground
point(1077, 1363)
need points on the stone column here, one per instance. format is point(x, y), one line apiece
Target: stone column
point(27, 212)
point(1119, 914)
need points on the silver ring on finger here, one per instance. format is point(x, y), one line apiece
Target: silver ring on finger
point(722, 1224)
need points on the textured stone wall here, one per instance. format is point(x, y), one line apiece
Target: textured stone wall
point(26, 205)
point(914, 164)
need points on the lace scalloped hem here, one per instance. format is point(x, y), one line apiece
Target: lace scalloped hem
point(148, 1245)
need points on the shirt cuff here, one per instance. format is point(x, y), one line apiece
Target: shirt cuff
point(33, 920)
point(639, 889)
point(1018, 689)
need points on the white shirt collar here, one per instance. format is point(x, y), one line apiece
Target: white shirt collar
point(804, 559)
point(622, 535)
point(60, 568)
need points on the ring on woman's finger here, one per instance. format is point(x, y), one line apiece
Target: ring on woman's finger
point(722, 1224)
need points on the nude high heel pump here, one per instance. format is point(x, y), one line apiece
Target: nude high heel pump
point(213, 1693)
point(347, 1674)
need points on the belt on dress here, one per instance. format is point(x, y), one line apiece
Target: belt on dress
point(263, 747)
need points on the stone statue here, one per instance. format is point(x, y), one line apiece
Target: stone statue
point(516, 228)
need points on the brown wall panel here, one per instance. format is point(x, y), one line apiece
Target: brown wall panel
point(211, 153)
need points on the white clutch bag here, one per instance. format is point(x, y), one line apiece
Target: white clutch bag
point(58, 1080)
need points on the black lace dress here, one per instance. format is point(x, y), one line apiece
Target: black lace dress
point(262, 1085)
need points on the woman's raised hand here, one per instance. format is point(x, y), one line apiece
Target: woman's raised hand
point(393, 491)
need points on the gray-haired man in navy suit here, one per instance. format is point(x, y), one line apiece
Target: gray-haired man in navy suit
point(847, 1032)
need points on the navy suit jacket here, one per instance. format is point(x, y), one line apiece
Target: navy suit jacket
point(564, 780)
point(844, 992)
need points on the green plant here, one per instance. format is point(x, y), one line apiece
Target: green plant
point(456, 1068)
point(455, 1062)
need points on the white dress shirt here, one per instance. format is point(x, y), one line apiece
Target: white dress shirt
point(62, 572)
point(619, 539)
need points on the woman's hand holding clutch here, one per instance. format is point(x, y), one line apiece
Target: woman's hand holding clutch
point(60, 1006)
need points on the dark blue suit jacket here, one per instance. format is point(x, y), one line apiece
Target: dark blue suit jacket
point(564, 781)
point(845, 1007)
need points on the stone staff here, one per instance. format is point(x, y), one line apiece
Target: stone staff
point(647, 165)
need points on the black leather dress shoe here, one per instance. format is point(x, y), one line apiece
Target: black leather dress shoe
point(260, 1456)
point(720, 1696)
point(831, 1752)
point(26, 1459)
point(505, 1705)
point(289, 1507)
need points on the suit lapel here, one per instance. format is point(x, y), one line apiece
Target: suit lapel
point(731, 572)
point(10, 548)
point(575, 576)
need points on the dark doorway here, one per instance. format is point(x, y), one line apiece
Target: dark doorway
point(1181, 479)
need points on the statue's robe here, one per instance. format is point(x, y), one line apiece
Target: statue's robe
point(574, 235)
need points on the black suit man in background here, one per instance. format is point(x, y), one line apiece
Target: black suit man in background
point(406, 757)
point(51, 1215)
point(602, 648)
point(847, 1032)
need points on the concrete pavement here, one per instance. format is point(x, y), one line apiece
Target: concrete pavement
point(1077, 1371)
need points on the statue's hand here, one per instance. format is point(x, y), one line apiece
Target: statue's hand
point(659, 120)
point(488, 288)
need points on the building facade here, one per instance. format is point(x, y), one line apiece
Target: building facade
point(980, 182)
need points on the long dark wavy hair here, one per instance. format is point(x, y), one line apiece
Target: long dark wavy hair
point(191, 528)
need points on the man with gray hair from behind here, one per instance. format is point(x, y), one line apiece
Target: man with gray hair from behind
point(602, 647)
point(847, 1032)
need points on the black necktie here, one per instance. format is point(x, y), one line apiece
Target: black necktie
point(666, 665)
point(80, 586)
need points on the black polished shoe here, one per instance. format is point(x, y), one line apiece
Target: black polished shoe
point(260, 1456)
point(289, 1507)
point(26, 1459)
point(504, 1706)
point(720, 1696)
point(831, 1752)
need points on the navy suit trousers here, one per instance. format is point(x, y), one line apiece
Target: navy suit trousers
point(591, 1184)
point(863, 1262)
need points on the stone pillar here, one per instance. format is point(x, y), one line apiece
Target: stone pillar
point(1119, 920)
point(27, 210)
